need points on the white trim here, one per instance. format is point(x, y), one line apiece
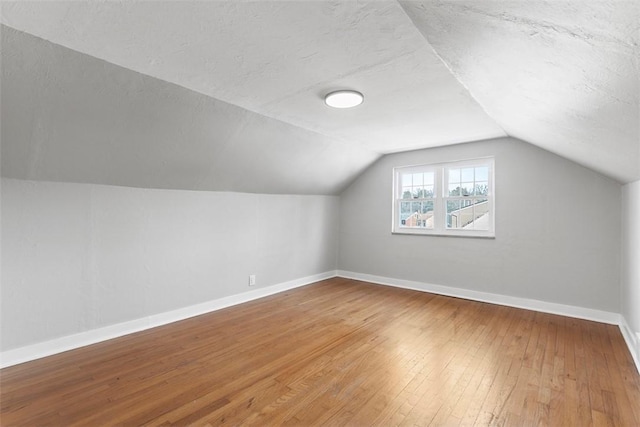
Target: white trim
point(70, 342)
point(526, 303)
point(632, 339)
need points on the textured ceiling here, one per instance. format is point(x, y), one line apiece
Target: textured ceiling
point(562, 75)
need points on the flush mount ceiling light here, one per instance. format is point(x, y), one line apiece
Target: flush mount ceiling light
point(344, 99)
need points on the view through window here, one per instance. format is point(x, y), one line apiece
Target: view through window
point(448, 198)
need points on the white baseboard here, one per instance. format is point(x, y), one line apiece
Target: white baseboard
point(529, 304)
point(70, 342)
point(632, 339)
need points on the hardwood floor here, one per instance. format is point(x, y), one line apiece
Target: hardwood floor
point(339, 352)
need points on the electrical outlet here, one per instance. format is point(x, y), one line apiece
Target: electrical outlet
point(252, 280)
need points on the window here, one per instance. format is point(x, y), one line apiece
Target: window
point(450, 199)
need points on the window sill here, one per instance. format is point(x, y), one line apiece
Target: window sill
point(436, 234)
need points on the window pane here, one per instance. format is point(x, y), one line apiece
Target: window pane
point(480, 220)
point(454, 189)
point(406, 192)
point(426, 218)
point(418, 179)
point(482, 188)
point(454, 175)
point(428, 192)
point(407, 180)
point(422, 192)
point(420, 215)
point(467, 188)
point(467, 174)
point(405, 211)
point(428, 178)
point(453, 214)
point(482, 173)
point(465, 215)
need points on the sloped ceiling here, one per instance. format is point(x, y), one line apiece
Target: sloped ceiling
point(70, 117)
point(227, 95)
point(563, 75)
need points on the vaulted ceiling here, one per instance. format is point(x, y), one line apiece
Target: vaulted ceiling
point(227, 95)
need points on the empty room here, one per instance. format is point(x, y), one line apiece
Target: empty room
point(320, 213)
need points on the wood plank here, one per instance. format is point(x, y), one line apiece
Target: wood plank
point(339, 352)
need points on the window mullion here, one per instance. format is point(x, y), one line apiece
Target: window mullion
point(442, 212)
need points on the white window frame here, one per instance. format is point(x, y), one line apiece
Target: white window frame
point(441, 197)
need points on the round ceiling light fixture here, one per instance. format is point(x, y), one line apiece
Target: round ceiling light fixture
point(344, 99)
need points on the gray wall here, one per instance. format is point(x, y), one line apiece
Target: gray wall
point(69, 117)
point(557, 229)
point(631, 257)
point(78, 256)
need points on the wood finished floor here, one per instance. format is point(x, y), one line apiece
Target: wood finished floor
point(339, 352)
